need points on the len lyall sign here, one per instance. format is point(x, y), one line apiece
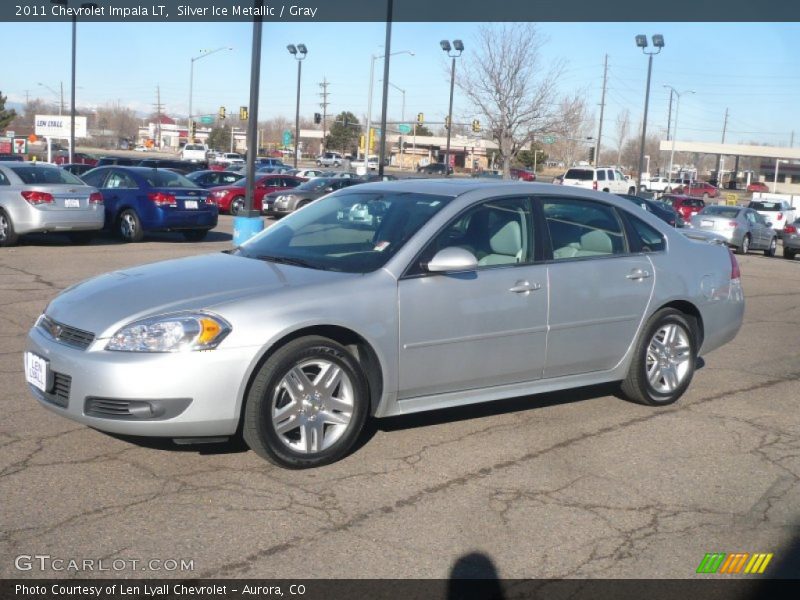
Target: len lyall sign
point(57, 126)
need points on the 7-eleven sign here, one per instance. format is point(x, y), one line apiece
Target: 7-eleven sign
point(20, 146)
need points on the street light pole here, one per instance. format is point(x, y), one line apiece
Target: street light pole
point(299, 52)
point(192, 60)
point(778, 161)
point(458, 47)
point(672, 90)
point(369, 100)
point(641, 42)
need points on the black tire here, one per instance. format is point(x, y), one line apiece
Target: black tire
point(237, 205)
point(268, 391)
point(637, 387)
point(773, 247)
point(195, 235)
point(319, 164)
point(632, 190)
point(302, 203)
point(744, 247)
point(8, 237)
point(129, 226)
point(789, 253)
point(80, 238)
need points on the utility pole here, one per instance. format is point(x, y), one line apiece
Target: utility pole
point(719, 156)
point(159, 108)
point(791, 141)
point(324, 105)
point(669, 116)
point(602, 109)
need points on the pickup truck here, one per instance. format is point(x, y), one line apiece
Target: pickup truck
point(194, 152)
point(655, 184)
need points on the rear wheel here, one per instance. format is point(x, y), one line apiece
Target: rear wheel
point(8, 237)
point(129, 226)
point(744, 247)
point(195, 235)
point(302, 203)
point(773, 247)
point(307, 404)
point(632, 190)
point(789, 253)
point(663, 365)
point(237, 205)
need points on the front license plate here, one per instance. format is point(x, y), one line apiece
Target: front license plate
point(190, 204)
point(706, 223)
point(36, 371)
point(72, 203)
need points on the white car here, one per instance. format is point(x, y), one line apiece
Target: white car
point(230, 158)
point(655, 184)
point(778, 212)
point(603, 179)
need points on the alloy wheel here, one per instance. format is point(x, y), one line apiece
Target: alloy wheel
point(668, 358)
point(128, 226)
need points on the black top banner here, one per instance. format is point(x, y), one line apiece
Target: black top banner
point(403, 10)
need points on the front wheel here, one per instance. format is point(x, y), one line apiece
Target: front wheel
point(632, 190)
point(664, 363)
point(773, 247)
point(307, 404)
point(789, 253)
point(237, 205)
point(129, 226)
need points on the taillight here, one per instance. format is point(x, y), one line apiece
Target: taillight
point(594, 185)
point(735, 274)
point(95, 198)
point(35, 198)
point(162, 199)
point(790, 229)
point(732, 224)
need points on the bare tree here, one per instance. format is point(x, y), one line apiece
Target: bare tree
point(511, 90)
point(623, 127)
point(574, 129)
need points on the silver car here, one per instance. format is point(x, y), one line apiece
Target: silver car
point(742, 228)
point(452, 292)
point(791, 240)
point(37, 198)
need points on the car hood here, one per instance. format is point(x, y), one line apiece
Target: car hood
point(102, 304)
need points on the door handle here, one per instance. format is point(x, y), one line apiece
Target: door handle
point(523, 287)
point(638, 274)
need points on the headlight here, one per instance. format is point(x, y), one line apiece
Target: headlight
point(171, 333)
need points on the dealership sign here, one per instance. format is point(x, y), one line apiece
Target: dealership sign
point(57, 126)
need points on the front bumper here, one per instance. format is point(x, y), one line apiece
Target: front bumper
point(183, 394)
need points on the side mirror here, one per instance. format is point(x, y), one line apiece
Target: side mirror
point(452, 259)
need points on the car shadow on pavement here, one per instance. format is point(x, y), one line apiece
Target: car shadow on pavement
point(104, 238)
point(232, 445)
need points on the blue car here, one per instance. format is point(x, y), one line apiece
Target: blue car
point(142, 199)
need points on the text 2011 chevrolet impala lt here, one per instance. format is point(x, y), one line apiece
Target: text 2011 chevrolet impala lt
point(386, 299)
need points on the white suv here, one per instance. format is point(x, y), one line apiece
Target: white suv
point(605, 179)
point(329, 159)
point(778, 212)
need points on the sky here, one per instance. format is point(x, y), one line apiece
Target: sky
point(748, 68)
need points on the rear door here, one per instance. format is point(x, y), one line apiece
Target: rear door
point(599, 289)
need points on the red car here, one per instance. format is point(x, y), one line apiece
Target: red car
point(78, 158)
point(522, 174)
point(685, 205)
point(758, 186)
point(230, 198)
point(699, 189)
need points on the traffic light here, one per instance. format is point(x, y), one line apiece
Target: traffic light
point(221, 112)
point(371, 138)
point(476, 125)
point(361, 142)
point(447, 122)
point(591, 155)
point(317, 118)
point(192, 131)
point(243, 113)
point(420, 118)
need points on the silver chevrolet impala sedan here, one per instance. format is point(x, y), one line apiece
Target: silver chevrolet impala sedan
point(442, 293)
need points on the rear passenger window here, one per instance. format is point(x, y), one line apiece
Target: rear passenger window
point(650, 240)
point(582, 229)
point(601, 175)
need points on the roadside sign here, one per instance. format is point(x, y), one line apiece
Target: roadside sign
point(11, 134)
point(207, 119)
point(287, 137)
point(404, 128)
point(549, 139)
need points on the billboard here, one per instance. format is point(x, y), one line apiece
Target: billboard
point(57, 126)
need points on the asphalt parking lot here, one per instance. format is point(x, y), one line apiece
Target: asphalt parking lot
point(572, 484)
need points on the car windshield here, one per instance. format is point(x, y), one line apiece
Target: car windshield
point(352, 231)
point(729, 212)
point(581, 174)
point(770, 206)
point(33, 174)
point(162, 178)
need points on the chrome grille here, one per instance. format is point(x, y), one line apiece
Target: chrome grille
point(70, 336)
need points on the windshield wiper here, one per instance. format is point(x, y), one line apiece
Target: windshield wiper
point(286, 260)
